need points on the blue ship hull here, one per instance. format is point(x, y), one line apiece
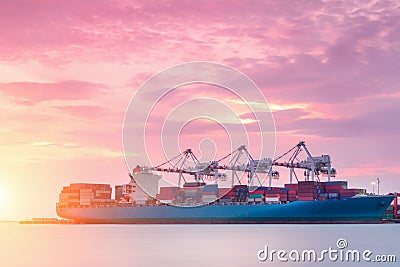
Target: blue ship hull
point(364, 209)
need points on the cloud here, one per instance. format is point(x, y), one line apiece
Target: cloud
point(374, 117)
point(43, 143)
point(85, 111)
point(31, 93)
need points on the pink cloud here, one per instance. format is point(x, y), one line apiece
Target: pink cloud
point(30, 93)
point(83, 111)
point(375, 119)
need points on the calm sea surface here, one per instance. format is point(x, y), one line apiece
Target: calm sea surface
point(192, 245)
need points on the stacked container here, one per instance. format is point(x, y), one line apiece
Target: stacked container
point(284, 195)
point(210, 193)
point(256, 196)
point(335, 186)
point(69, 197)
point(225, 195)
point(241, 193)
point(396, 208)
point(184, 196)
point(167, 194)
point(123, 191)
point(309, 190)
point(347, 193)
point(292, 191)
point(85, 195)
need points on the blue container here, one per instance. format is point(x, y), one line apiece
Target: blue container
point(262, 188)
point(336, 183)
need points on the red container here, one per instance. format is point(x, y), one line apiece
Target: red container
point(307, 190)
point(273, 191)
point(306, 195)
point(291, 186)
point(332, 190)
point(329, 187)
point(306, 183)
point(283, 196)
point(168, 190)
point(268, 195)
point(351, 192)
point(257, 192)
point(305, 198)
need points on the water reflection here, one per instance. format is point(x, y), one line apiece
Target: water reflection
point(181, 245)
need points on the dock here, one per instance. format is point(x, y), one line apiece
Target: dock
point(46, 221)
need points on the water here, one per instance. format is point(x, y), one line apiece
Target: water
point(185, 245)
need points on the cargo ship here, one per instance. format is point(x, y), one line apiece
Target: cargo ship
point(144, 200)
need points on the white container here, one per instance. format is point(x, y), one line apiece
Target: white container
point(272, 199)
point(208, 198)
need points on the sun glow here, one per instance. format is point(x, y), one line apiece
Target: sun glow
point(3, 200)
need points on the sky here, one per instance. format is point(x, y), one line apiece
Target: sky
point(68, 69)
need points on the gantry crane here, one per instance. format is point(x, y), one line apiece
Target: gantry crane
point(312, 165)
point(242, 161)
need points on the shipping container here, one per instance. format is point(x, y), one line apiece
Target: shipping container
point(208, 198)
point(257, 192)
point(301, 198)
point(272, 195)
point(335, 185)
point(210, 188)
point(306, 194)
point(283, 194)
point(256, 195)
point(271, 199)
point(257, 200)
point(291, 186)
